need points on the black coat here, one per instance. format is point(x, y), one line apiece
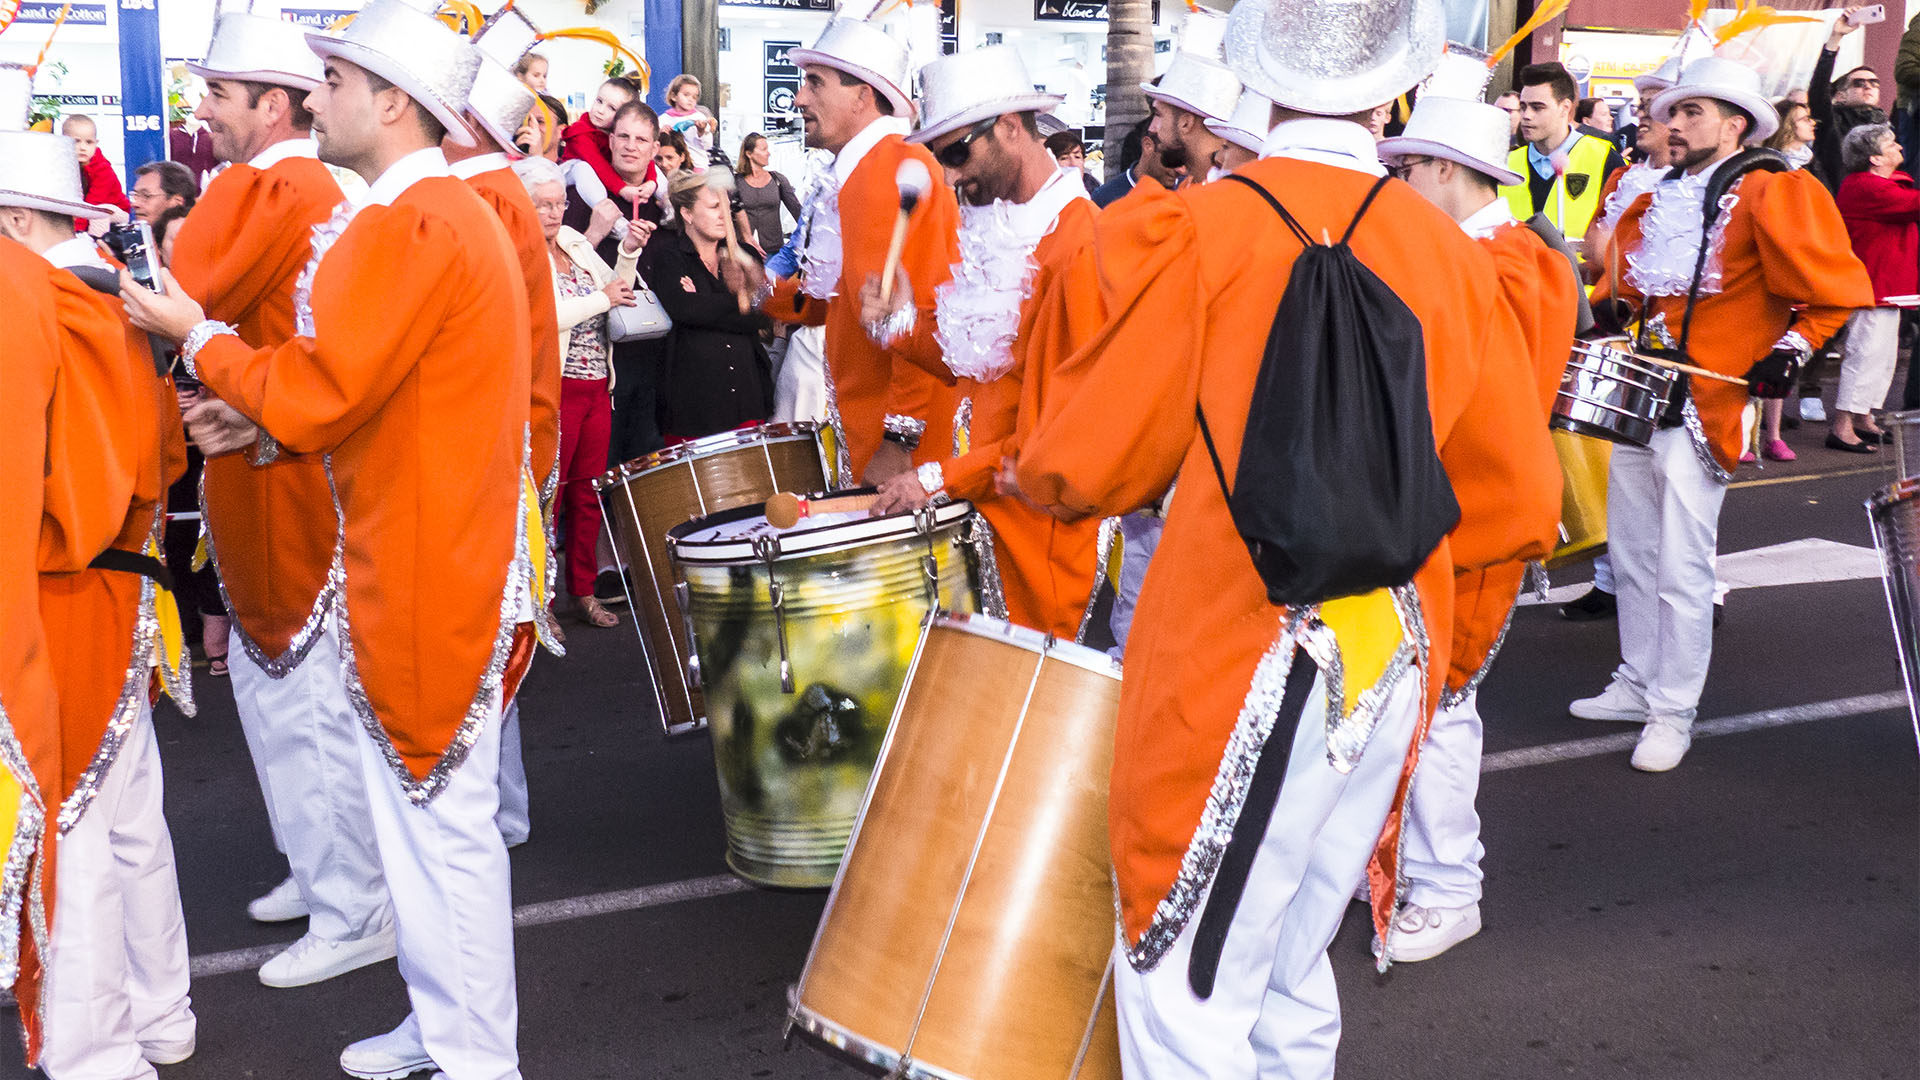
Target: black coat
point(715, 374)
point(1832, 122)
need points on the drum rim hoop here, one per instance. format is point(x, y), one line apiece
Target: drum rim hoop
point(1899, 491)
point(1030, 640)
point(845, 1039)
point(709, 552)
point(707, 446)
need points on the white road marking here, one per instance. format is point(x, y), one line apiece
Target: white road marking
point(649, 896)
point(1798, 562)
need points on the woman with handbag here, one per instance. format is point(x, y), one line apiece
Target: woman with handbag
point(716, 376)
point(586, 289)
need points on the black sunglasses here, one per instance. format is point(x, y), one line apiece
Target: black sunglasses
point(1402, 170)
point(957, 153)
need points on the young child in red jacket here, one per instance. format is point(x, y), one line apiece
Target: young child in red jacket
point(96, 172)
point(588, 140)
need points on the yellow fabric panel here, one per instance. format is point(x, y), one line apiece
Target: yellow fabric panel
point(1368, 630)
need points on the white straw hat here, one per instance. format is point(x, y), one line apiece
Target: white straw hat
point(254, 48)
point(414, 51)
point(968, 87)
point(1334, 57)
point(865, 52)
point(1471, 133)
point(1723, 80)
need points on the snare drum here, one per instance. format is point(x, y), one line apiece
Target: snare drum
point(1609, 393)
point(644, 498)
point(803, 637)
point(970, 932)
point(1583, 497)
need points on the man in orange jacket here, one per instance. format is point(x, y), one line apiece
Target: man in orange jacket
point(1778, 279)
point(418, 352)
point(269, 514)
point(1187, 333)
point(113, 999)
point(1506, 477)
point(1020, 213)
point(890, 409)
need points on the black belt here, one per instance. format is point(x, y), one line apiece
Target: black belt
point(134, 562)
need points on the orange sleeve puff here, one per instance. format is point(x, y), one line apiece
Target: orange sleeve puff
point(503, 191)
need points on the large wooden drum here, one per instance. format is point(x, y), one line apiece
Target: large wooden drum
point(645, 498)
point(971, 930)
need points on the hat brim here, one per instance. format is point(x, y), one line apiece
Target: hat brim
point(451, 118)
point(902, 104)
point(274, 78)
point(53, 206)
point(1401, 146)
point(1154, 93)
point(1324, 95)
point(1766, 119)
point(1644, 83)
point(485, 126)
point(1238, 136)
point(973, 114)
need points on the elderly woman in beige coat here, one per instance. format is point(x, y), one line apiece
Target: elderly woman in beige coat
point(585, 290)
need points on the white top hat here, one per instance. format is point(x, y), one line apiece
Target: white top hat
point(1462, 73)
point(1723, 80)
point(508, 36)
point(865, 52)
point(1250, 124)
point(415, 52)
point(1659, 78)
point(38, 170)
point(255, 48)
point(1471, 133)
point(1197, 81)
point(1203, 33)
point(498, 102)
point(1334, 57)
point(968, 87)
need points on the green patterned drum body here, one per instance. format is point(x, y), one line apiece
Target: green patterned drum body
point(803, 637)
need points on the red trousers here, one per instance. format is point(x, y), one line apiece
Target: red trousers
point(586, 418)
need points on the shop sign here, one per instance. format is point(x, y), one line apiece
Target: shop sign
point(36, 11)
point(782, 83)
point(785, 5)
point(1077, 10)
point(314, 18)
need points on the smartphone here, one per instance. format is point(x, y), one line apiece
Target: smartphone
point(1867, 16)
point(141, 255)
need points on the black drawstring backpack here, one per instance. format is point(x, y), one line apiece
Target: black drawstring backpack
point(1339, 489)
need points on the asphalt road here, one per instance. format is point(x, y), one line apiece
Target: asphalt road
point(1752, 915)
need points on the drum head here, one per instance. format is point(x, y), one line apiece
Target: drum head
point(733, 537)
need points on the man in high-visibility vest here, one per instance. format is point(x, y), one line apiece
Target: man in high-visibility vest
point(1563, 170)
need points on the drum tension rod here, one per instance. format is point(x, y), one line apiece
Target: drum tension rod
point(923, 519)
point(768, 548)
point(683, 595)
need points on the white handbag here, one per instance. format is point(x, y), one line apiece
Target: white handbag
point(644, 321)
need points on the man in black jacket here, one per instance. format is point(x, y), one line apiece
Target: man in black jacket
point(1840, 105)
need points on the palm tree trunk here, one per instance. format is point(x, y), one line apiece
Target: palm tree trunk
point(1129, 63)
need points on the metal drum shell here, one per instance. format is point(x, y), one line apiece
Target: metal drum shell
point(644, 499)
point(1894, 512)
point(1610, 394)
point(971, 930)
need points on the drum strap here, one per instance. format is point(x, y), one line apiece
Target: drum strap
point(134, 562)
point(1249, 828)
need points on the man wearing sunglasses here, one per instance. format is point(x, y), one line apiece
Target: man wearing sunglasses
point(888, 414)
point(1840, 105)
point(1000, 327)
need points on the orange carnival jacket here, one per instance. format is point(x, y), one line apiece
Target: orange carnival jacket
point(503, 191)
point(1191, 280)
point(1782, 247)
point(270, 528)
point(416, 382)
point(1048, 568)
point(1501, 458)
point(868, 382)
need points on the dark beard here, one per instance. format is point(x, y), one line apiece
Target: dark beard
point(1173, 158)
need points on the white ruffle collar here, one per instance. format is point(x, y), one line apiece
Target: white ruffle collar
point(978, 310)
point(1670, 234)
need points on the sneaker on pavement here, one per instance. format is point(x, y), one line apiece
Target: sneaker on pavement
point(167, 1051)
point(283, 904)
point(1618, 701)
point(394, 1056)
point(314, 959)
point(1813, 410)
point(1422, 933)
point(1662, 746)
point(609, 589)
point(1595, 604)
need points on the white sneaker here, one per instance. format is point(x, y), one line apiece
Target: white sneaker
point(283, 904)
point(167, 1051)
point(1422, 933)
point(314, 959)
point(1619, 701)
point(1813, 410)
point(394, 1056)
point(1661, 746)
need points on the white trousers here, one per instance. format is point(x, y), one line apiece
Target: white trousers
point(512, 819)
point(1603, 572)
point(1663, 523)
point(1139, 539)
point(305, 737)
point(117, 964)
point(1441, 853)
point(1274, 1012)
point(1866, 368)
point(800, 392)
point(453, 908)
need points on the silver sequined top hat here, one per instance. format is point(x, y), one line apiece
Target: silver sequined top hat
point(254, 48)
point(1196, 81)
point(498, 102)
point(1250, 124)
point(968, 87)
point(38, 170)
point(1723, 80)
point(1461, 73)
point(414, 51)
point(1334, 57)
point(508, 36)
point(865, 52)
point(1659, 78)
point(1471, 133)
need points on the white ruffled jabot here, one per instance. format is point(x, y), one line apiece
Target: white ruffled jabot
point(979, 309)
point(1670, 235)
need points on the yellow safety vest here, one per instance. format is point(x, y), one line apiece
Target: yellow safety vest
point(1579, 188)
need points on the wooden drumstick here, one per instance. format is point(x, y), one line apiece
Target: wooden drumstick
point(785, 509)
point(1688, 368)
point(913, 180)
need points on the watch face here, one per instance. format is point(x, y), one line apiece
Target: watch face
point(1577, 184)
